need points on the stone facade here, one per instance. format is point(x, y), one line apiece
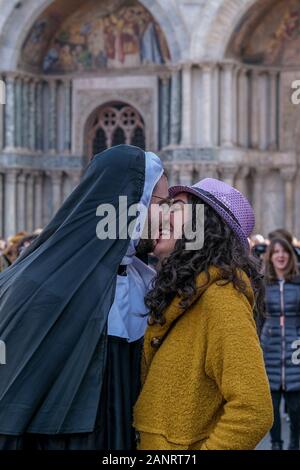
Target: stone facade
point(206, 107)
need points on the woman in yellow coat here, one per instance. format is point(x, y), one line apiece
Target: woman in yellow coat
point(203, 375)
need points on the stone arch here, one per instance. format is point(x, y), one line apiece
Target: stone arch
point(217, 23)
point(12, 38)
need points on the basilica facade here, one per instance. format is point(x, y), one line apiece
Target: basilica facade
point(207, 84)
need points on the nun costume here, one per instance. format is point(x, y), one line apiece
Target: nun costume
point(72, 318)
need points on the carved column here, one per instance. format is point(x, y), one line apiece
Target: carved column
point(228, 174)
point(10, 114)
point(38, 200)
point(10, 202)
point(207, 106)
point(288, 175)
point(39, 116)
point(273, 110)
point(21, 201)
point(263, 111)
point(175, 117)
point(243, 108)
point(186, 174)
point(52, 116)
point(67, 107)
point(56, 178)
point(241, 183)
point(227, 105)
point(164, 110)
point(32, 115)
point(25, 113)
point(187, 105)
point(19, 112)
point(209, 170)
point(258, 195)
point(29, 201)
point(254, 109)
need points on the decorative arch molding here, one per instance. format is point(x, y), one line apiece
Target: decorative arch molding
point(12, 39)
point(218, 21)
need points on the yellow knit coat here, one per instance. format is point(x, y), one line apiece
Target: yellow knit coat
point(204, 380)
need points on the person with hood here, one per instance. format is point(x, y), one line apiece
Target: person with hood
point(204, 382)
point(70, 314)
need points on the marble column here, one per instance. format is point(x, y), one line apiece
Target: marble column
point(228, 174)
point(67, 112)
point(175, 114)
point(258, 196)
point(288, 174)
point(241, 183)
point(263, 110)
point(164, 110)
point(10, 114)
point(187, 105)
point(10, 202)
point(273, 111)
point(56, 178)
point(18, 112)
point(235, 104)
point(173, 172)
point(186, 174)
point(21, 201)
point(207, 106)
point(209, 170)
point(254, 109)
point(227, 105)
point(39, 116)
point(25, 113)
point(32, 115)
point(38, 200)
point(30, 201)
point(243, 108)
point(52, 116)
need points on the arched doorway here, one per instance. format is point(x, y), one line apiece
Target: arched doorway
point(113, 124)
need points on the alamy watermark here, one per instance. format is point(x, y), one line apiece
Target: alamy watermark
point(296, 354)
point(163, 221)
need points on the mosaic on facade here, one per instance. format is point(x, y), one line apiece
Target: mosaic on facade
point(275, 39)
point(93, 38)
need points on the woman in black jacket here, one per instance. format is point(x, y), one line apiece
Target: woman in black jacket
point(280, 335)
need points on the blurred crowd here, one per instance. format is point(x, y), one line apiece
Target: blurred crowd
point(259, 244)
point(12, 248)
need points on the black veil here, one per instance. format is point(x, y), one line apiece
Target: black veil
point(54, 303)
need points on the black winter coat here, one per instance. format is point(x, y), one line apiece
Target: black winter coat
point(279, 334)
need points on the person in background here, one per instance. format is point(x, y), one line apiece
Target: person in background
point(280, 330)
point(25, 243)
point(10, 254)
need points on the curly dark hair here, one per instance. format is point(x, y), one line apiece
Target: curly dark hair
point(222, 249)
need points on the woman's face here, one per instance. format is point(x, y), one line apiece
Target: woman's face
point(280, 258)
point(171, 227)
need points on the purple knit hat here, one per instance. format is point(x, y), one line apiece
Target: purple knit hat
point(227, 201)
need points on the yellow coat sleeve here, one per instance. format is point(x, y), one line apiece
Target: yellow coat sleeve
point(234, 361)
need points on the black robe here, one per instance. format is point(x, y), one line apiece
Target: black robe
point(54, 304)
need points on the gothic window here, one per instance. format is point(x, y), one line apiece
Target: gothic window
point(116, 124)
